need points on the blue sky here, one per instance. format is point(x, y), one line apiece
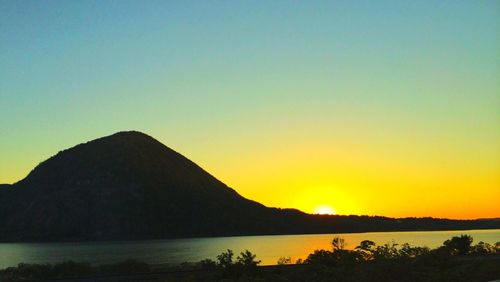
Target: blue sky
point(225, 81)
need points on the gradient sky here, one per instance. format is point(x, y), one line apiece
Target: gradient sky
point(388, 107)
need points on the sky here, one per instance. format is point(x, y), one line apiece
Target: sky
point(380, 108)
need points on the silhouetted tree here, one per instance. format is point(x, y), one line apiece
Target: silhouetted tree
point(386, 251)
point(225, 259)
point(247, 259)
point(366, 249)
point(409, 251)
point(482, 248)
point(284, 260)
point(321, 257)
point(459, 245)
point(338, 243)
point(246, 263)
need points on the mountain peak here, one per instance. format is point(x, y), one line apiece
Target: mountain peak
point(126, 185)
point(125, 155)
point(130, 133)
point(125, 135)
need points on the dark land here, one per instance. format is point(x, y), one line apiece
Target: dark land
point(129, 186)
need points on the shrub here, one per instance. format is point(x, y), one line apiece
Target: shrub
point(322, 257)
point(366, 249)
point(386, 251)
point(482, 248)
point(225, 259)
point(459, 245)
point(247, 259)
point(207, 264)
point(284, 260)
point(407, 251)
point(338, 243)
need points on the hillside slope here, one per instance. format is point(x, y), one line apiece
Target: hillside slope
point(130, 186)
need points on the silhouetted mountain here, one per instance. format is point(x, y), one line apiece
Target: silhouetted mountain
point(130, 186)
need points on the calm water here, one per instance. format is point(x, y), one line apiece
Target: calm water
point(267, 248)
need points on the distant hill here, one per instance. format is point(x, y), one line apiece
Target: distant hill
point(130, 186)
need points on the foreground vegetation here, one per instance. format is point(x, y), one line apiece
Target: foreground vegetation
point(456, 260)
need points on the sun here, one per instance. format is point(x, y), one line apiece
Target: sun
point(324, 210)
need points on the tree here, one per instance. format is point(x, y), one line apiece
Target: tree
point(225, 259)
point(459, 245)
point(366, 249)
point(284, 260)
point(338, 243)
point(386, 251)
point(247, 259)
point(482, 248)
point(411, 252)
point(321, 257)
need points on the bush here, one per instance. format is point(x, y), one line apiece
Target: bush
point(247, 259)
point(407, 251)
point(207, 264)
point(225, 259)
point(321, 257)
point(366, 249)
point(284, 260)
point(386, 251)
point(482, 248)
point(338, 243)
point(244, 266)
point(459, 245)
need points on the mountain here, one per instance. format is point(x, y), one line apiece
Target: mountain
point(124, 186)
point(130, 186)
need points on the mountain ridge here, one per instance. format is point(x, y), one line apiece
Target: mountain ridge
point(129, 186)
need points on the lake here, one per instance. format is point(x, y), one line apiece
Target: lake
point(267, 248)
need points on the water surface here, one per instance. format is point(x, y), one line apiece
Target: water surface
point(267, 248)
